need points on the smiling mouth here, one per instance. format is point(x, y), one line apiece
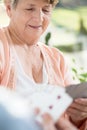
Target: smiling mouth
point(35, 27)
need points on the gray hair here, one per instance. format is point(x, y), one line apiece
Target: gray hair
point(14, 2)
point(53, 2)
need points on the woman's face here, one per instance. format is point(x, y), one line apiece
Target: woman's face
point(30, 18)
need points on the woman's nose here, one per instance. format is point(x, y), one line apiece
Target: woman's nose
point(39, 15)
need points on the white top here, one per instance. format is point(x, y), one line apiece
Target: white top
point(26, 85)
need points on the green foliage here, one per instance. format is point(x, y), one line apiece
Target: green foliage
point(82, 77)
point(80, 74)
point(82, 27)
point(47, 38)
point(70, 48)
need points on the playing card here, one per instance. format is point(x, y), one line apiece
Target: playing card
point(77, 90)
point(53, 101)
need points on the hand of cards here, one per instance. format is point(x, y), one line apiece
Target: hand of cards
point(55, 100)
point(52, 99)
point(49, 99)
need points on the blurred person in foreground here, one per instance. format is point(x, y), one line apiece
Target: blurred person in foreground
point(24, 61)
point(9, 122)
point(16, 113)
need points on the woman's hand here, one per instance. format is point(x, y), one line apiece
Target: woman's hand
point(48, 123)
point(78, 111)
point(65, 124)
point(62, 124)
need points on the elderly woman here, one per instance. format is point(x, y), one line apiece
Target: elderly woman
point(24, 61)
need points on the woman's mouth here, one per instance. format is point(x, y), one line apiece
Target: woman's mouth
point(35, 27)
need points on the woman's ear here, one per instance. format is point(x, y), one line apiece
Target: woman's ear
point(8, 7)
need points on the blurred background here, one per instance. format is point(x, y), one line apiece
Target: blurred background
point(68, 32)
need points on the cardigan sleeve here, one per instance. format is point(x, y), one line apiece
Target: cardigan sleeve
point(65, 70)
point(4, 57)
point(62, 67)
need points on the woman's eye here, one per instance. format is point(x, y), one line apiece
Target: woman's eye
point(46, 11)
point(30, 9)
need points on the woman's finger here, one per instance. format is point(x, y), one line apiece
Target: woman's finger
point(48, 123)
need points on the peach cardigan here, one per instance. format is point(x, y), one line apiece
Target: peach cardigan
point(56, 66)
